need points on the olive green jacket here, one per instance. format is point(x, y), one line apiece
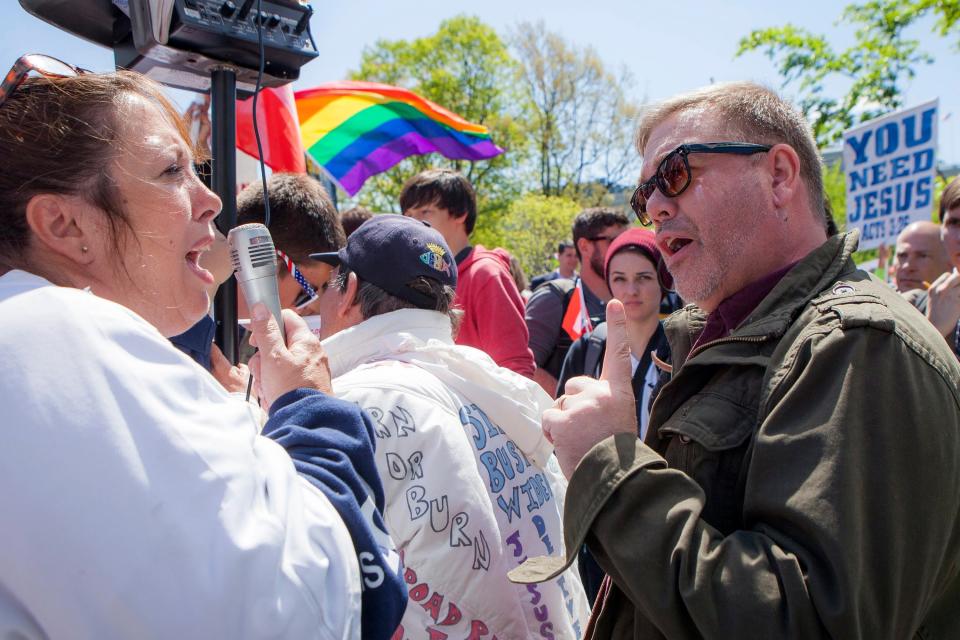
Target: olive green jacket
point(801, 477)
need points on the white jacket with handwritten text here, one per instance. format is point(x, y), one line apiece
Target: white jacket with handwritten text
point(472, 487)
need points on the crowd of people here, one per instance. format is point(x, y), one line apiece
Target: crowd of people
point(429, 453)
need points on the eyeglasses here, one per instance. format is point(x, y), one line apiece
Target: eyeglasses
point(35, 63)
point(309, 293)
point(672, 176)
point(602, 238)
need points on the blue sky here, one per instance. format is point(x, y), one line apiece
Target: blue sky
point(669, 46)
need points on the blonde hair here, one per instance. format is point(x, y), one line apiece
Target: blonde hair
point(750, 113)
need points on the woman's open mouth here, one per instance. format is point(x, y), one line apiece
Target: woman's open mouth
point(193, 263)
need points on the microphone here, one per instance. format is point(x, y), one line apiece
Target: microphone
point(255, 264)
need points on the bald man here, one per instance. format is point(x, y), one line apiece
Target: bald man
point(919, 256)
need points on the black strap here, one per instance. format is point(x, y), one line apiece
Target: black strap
point(562, 288)
point(596, 342)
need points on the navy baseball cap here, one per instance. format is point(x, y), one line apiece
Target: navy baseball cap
point(391, 250)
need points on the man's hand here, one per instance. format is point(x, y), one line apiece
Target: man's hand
point(278, 367)
point(233, 378)
point(943, 302)
point(592, 410)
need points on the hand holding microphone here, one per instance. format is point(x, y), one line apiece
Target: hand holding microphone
point(290, 356)
point(255, 263)
point(278, 367)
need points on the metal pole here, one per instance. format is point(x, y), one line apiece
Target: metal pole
point(223, 94)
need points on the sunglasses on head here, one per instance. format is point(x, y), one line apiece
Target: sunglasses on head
point(672, 176)
point(35, 63)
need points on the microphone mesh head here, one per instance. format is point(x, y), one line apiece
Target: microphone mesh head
point(252, 242)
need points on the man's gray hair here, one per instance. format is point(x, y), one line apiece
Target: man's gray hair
point(375, 301)
point(750, 113)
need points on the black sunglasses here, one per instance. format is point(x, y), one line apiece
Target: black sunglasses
point(35, 63)
point(672, 176)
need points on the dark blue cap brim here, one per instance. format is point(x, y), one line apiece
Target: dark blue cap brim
point(332, 258)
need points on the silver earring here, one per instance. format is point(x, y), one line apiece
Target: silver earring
point(84, 249)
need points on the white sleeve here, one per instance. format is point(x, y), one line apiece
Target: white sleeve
point(139, 500)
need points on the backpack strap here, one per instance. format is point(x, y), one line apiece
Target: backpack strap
point(563, 289)
point(596, 342)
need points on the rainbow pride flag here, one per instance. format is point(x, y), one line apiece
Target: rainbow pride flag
point(355, 130)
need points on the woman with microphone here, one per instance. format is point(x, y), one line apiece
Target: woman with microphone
point(140, 499)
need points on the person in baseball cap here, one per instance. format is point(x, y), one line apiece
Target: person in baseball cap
point(442, 413)
point(400, 256)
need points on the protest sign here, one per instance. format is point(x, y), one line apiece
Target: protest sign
point(889, 164)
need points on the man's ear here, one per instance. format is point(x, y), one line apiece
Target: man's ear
point(347, 301)
point(583, 245)
point(460, 220)
point(62, 224)
point(786, 182)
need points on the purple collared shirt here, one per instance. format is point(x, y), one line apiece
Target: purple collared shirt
point(735, 309)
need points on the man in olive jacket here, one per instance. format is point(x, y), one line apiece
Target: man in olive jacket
point(801, 473)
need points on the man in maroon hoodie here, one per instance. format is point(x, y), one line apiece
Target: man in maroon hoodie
point(493, 309)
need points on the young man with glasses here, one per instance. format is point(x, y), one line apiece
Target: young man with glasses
point(547, 309)
point(800, 476)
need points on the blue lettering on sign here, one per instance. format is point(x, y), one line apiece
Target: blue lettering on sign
point(859, 146)
point(924, 191)
point(887, 139)
point(542, 532)
point(512, 507)
point(899, 168)
point(505, 463)
point(926, 128)
point(873, 231)
point(483, 428)
point(502, 464)
point(898, 198)
point(858, 179)
point(922, 160)
point(494, 477)
point(878, 173)
point(519, 458)
point(536, 490)
point(870, 202)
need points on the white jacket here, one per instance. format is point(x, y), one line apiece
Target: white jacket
point(472, 488)
point(139, 501)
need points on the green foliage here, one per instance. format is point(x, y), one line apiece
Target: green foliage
point(466, 68)
point(875, 68)
point(530, 230)
point(835, 192)
point(581, 117)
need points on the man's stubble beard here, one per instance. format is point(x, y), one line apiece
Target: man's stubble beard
point(596, 263)
point(722, 253)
